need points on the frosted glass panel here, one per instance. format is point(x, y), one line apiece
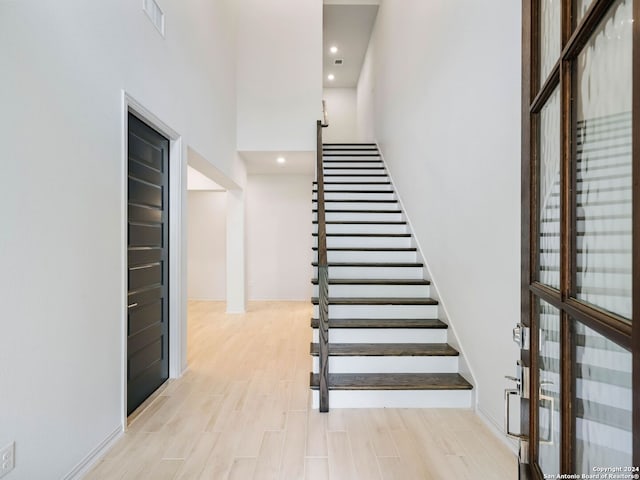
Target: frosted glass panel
point(549, 36)
point(603, 169)
point(581, 8)
point(603, 402)
point(549, 389)
point(549, 192)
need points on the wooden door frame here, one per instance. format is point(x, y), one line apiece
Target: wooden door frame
point(177, 314)
point(533, 99)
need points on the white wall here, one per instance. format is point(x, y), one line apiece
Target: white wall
point(341, 111)
point(447, 117)
point(207, 247)
point(279, 237)
point(279, 74)
point(64, 65)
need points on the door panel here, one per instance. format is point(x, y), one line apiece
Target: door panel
point(581, 251)
point(148, 329)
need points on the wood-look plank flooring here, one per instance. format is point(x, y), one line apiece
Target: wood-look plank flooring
point(241, 412)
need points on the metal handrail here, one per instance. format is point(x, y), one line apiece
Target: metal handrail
point(323, 277)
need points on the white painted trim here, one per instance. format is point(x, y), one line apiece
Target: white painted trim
point(511, 443)
point(177, 204)
point(92, 458)
point(435, 293)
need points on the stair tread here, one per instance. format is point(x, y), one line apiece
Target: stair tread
point(387, 349)
point(370, 249)
point(315, 210)
point(363, 222)
point(351, 160)
point(315, 234)
point(371, 264)
point(355, 183)
point(393, 381)
point(356, 191)
point(364, 200)
point(327, 153)
point(374, 281)
point(429, 323)
point(355, 175)
point(378, 301)
point(334, 144)
point(354, 168)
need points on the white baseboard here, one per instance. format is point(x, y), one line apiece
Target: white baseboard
point(511, 443)
point(92, 458)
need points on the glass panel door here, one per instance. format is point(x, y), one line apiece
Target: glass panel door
point(580, 237)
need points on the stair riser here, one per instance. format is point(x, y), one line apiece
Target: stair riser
point(359, 256)
point(364, 228)
point(357, 206)
point(374, 272)
point(380, 311)
point(376, 291)
point(359, 178)
point(396, 398)
point(366, 242)
point(382, 187)
point(328, 195)
point(390, 364)
point(360, 217)
point(329, 170)
point(385, 335)
point(351, 164)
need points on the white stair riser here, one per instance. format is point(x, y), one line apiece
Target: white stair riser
point(443, 364)
point(385, 335)
point(357, 206)
point(374, 272)
point(381, 195)
point(363, 256)
point(380, 311)
point(347, 156)
point(359, 178)
point(356, 186)
point(376, 291)
point(364, 242)
point(360, 217)
point(364, 228)
point(328, 170)
point(396, 398)
point(373, 162)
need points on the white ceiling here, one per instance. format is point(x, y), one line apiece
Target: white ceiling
point(348, 27)
point(297, 163)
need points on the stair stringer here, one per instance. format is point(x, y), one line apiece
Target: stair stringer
point(464, 368)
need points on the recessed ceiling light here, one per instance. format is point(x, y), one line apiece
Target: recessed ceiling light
point(331, 77)
point(281, 160)
point(333, 49)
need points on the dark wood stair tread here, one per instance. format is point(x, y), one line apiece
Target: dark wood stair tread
point(363, 222)
point(372, 264)
point(373, 281)
point(364, 200)
point(393, 381)
point(354, 168)
point(315, 210)
point(430, 323)
point(355, 191)
point(387, 350)
point(377, 301)
point(327, 153)
point(351, 160)
point(315, 234)
point(372, 249)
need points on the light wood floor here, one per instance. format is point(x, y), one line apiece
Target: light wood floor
point(241, 412)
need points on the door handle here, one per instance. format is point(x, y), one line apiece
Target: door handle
point(508, 393)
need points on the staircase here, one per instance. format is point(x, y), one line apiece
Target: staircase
point(387, 347)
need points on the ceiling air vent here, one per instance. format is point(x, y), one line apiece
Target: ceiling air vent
point(338, 61)
point(153, 11)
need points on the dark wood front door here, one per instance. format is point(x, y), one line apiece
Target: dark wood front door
point(148, 266)
point(581, 237)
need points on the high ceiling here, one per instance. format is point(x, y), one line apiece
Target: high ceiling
point(347, 27)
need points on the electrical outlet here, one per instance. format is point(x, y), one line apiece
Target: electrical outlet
point(7, 459)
